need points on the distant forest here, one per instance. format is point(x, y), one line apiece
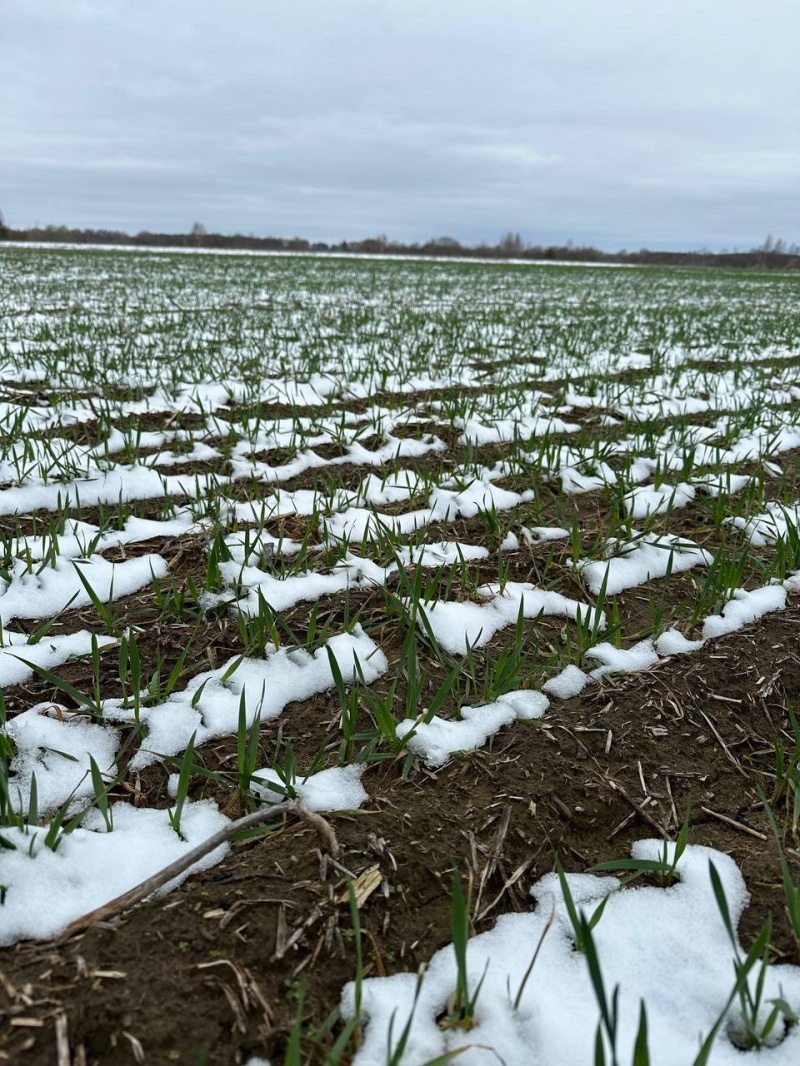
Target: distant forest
point(771, 255)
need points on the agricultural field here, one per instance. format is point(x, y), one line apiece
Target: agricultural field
point(423, 637)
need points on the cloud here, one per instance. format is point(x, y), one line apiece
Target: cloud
point(617, 123)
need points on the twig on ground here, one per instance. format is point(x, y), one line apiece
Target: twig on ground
point(638, 807)
point(734, 824)
point(735, 762)
point(175, 869)
point(63, 1055)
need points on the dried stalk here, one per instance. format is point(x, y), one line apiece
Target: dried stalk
point(175, 869)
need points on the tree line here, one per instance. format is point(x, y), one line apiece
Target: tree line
point(770, 255)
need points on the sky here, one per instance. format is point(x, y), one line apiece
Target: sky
point(617, 123)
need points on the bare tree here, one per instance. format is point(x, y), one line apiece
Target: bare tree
point(511, 244)
point(198, 233)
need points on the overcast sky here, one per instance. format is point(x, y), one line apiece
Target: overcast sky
point(615, 122)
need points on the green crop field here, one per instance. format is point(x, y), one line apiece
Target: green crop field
point(399, 662)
